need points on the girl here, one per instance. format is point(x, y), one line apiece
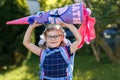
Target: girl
point(56, 57)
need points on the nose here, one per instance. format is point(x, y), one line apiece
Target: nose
point(53, 38)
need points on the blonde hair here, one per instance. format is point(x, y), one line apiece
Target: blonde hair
point(52, 27)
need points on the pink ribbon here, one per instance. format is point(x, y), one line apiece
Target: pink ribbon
point(87, 30)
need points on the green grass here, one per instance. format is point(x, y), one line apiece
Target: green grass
point(86, 68)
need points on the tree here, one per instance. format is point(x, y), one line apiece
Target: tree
point(47, 5)
point(107, 15)
point(11, 50)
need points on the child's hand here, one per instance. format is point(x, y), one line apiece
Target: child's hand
point(65, 24)
point(35, 24)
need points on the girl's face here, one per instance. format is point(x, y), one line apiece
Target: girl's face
point(54, 38)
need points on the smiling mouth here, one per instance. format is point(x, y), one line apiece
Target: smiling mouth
point(52, 42)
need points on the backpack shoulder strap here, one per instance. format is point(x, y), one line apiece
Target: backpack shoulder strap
point(42, 57)
point(65, 54)
point(70, 60)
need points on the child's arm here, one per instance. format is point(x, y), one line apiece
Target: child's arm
point(74, 30)
point(27, 40)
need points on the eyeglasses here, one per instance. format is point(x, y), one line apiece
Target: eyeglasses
point(50, 37)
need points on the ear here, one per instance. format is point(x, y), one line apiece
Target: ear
point(45, 39)
point(62, 37)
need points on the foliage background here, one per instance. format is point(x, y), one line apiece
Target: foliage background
point(11, 48)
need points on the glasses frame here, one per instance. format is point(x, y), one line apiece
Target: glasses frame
point(56, 37)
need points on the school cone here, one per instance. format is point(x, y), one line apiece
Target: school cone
point(69, 14)
point(20, 21)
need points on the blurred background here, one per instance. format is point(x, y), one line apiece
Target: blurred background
point(100, 60)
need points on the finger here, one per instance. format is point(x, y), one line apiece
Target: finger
point(35, 22)
point(62, 24)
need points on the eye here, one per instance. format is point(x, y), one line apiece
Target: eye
point(56, 36)
point(49, 36)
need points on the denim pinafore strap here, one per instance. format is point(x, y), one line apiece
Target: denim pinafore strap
point(69, 60)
